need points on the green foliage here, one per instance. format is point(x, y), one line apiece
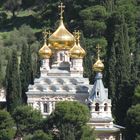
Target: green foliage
point(1, 74)
point(13, 6)
point(40, 135)
point(6, 126)
point(114, 24)
point(27, 120)
point(94, 20)
point(138, 137)
point(69, 118)
point(87, 133)
point(25, 70)
point(133, 122)
point(20, 37)
point(70, 112)
point(13, 87)
point(136, 97)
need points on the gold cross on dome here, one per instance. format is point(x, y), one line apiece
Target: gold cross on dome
point(61, 6)
point(74, 33)
point(98, 50)
point(45, 33)
point(78, 34)
point(49, 33)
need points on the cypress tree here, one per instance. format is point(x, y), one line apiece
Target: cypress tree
point(123, 75)
point(1, 73)
point(111, 72)
point(13, 86)
point(25, 71)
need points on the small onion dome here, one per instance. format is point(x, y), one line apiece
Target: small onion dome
point(45, 52)
point(98, 66)
point(77, 51)
point(61, 39)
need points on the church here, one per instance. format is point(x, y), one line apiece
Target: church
point(62, 79)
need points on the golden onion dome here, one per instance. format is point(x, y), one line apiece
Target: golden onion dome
point(77, 51)
point(45, 52)
point(61, 38)
point(98, 66)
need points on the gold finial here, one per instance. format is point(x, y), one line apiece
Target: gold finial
point(74, 33)
point(98, 51)
point(61, 6)
point(46, 35)
point(49, 33)
point(77, 35)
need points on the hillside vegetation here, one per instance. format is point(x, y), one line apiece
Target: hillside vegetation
point(114, 24)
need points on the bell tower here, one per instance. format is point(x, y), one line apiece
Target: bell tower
point(100, 105)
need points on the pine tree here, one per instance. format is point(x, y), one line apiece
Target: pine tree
point(13, 86)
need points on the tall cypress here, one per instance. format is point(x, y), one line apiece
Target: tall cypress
point(13, 86)
point(25, 71)
point(1, 73)
point(123, 74)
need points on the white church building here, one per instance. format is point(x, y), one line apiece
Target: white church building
point(62, 80)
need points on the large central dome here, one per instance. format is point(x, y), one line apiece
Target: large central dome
point(61, 39)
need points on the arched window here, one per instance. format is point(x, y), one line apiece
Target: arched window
point(96, 107)
point(45, 108)
point(97, 93)
point(105, 107)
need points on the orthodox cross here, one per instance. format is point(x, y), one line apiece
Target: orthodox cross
point(74, 33)
point(98, 50)
point(61, 6)
point(45, 33)
point(78, 34)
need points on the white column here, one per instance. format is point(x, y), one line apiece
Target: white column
point(41, 107)
point(49, 107)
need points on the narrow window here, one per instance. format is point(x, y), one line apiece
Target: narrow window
point(61, 57)
point(105, 107)
point(97, 93)
point(96, 107)
point(45, 108)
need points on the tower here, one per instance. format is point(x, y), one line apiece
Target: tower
point(100, 106)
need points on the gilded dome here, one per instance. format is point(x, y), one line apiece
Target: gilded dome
point(98, 66)
point(45, 51)
point(61, 38)
point(77, 51)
